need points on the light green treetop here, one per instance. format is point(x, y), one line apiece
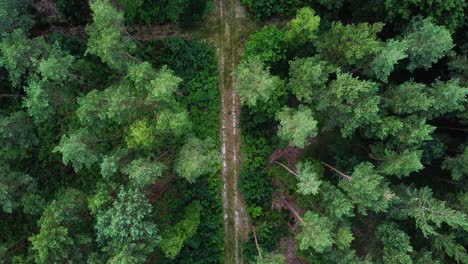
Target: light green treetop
point(106, 39)
point(307, 76)
point(303, 27)
point(197, 157)
point(296, 126)
point(254, 82)
point(309, 174)
point(317, 232)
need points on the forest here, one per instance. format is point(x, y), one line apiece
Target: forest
point(234, 131)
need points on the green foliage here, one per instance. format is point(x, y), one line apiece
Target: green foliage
point(296, 126)
point(268, 8)
point(316, 232)
point(448, 97)
point(427, 43)
point(367, 189)
point(384, 63)
point(141, 135)
point(125, 229)
point(15, 14)
point(408, 98)
point(309, 174)
point(397, 246)
point(458, 165)
point(16, 53)
point(175, 236)
point(335, 202)
point(450, 13)
point(454, 250)
point(344, 237)
point(196, 158)
point(401, 164)
point(271, 258)
point(349, 102)
point(130, 8)
point(428, 212)
point(349, 45)
point(267, 44)
point(143, 172)
point(62, 230)
point(17, 136)
point(106, 37)
point(303, 27)
point(254, 82)
point(307, 76)
point(75, 150)
point(12, 187)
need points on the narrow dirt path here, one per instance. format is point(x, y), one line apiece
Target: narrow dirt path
point(235, 217)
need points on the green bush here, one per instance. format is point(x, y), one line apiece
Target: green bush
point(195, 63)
point(267, 8)
point(267, 44)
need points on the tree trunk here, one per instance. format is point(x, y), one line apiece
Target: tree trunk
point(288, 169)
point(337, 171)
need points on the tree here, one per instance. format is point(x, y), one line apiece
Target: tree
point(335, 202)
point(296, 126)
point(13, 185)
point(449, 13)
point(454, 250)
point(458, 165)
point(15, 14)
point(106, 38)
point(428, 212)
point(197, 157)
point(400, 164)
point(143, 172)
point(266, 44)
point(349, 45)
point(397, 246)
point(427, 43)
point(17, 136)
point(17, 52)
point(317, 232)
point(384, 63)
point(175, 236)
point(348, 103)
point(303, 27)
point(309, 174)
point(75, 150)
point(448, 97)
point(408, 98)
point(255, 83)
point(307, 76)
point(367, 189)
point(63, 230)
point(125, 229)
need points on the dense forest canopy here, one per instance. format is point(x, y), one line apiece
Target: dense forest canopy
point(353, 131)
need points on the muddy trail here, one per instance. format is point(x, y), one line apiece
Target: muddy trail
point(236, 226)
